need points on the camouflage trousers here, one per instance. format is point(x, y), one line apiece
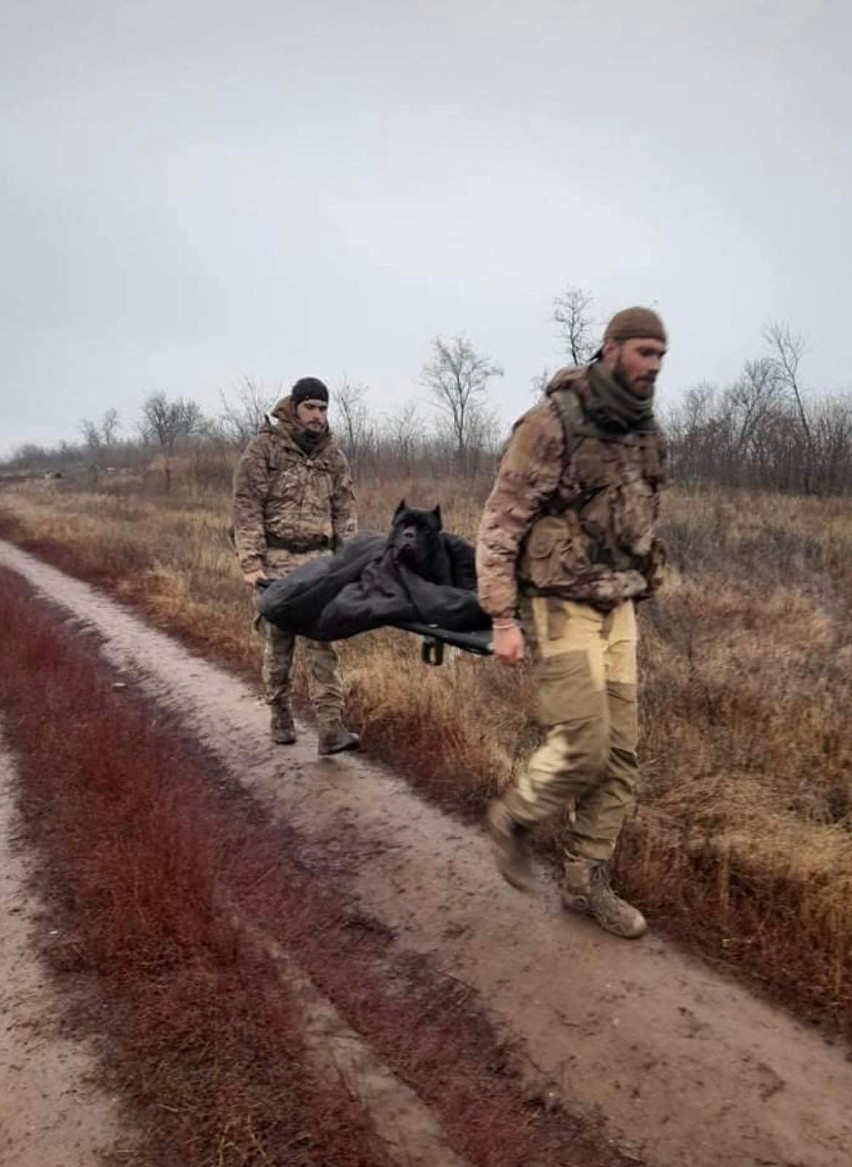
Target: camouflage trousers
point(279, 648)
point(326, 687)
point(585, 666)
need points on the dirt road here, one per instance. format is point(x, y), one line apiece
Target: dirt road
point(684, 1067)
point(50, 1113)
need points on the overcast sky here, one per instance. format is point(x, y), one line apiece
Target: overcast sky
point(196, 191)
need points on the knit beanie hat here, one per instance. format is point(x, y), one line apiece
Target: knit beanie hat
point(308, 389)
point(635, 323)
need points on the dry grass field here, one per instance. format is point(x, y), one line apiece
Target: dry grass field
point(742, 842)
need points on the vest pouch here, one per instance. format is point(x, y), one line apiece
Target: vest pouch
point(540, 561)
point(554, 551)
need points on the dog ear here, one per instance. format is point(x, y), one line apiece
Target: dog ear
point(437, 513)
point(398, 510)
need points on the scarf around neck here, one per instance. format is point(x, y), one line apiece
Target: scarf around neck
point(611, 405)
point(308, 440)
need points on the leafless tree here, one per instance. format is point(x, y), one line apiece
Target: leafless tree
point(242, 415)
point(351, 418)
point(484, 439)
point(752, 399)
point(457, 378)
point(166, 423)
point(110, 425)
point(404, 429)
point(832, 436)
point(91, 434)
point(788, 348)
point(572, 314)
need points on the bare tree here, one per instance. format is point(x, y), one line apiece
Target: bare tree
point(752, 399)
point(91, 434)
point(110, 425)
point(484, 439)
point(788, 348)
point(571, 311)
point(832, 432)
point(405, 433)
point(351, 418)
point(457, 378)
point(166, 423)
point(243, 416)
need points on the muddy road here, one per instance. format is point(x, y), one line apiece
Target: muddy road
point(682, 1066)
point(51, 1114)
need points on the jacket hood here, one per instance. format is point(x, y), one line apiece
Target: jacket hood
point(565, 378)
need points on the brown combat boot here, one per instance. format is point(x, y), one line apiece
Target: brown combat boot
point(281, 727)
point(334, 738)
point(511, 846)
point(585, 888)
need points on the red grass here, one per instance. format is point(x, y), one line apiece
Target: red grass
point(145, 851)
point(204, 1044)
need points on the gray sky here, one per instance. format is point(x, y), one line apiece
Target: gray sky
point(193, 192)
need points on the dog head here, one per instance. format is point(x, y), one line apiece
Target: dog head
point(415, 539)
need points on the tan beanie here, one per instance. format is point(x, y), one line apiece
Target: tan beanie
point(635, 323)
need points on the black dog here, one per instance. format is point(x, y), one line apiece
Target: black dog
point(416, 542)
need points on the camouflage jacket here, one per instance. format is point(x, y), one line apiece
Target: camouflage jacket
point(290, 505)
point(572, 510)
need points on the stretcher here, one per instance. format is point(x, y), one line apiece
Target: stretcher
point(434, 639)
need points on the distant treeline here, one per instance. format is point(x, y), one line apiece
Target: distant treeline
point(752, 434)
point(749, 434)
point(762, 431)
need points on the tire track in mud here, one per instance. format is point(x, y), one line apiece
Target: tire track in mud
point(684, 1066)
point(411, 1133)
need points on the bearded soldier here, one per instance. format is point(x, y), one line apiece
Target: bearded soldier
point(293, 501)
point(566, 543)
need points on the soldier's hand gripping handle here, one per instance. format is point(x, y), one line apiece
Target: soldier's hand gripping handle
point(508, 644)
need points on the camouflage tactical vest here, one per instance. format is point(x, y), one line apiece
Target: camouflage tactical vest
point(594, 541)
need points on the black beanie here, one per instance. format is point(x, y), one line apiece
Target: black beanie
point(308, 389)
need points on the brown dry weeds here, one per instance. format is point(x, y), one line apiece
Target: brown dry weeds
point(742, 844)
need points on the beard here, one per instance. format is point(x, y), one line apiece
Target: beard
point(309, 438)
point(640, 386)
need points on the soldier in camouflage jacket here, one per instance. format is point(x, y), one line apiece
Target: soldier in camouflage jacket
point(293, 500)
point(567, 544)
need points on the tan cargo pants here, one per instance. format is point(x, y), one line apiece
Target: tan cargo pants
point(585, 663)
